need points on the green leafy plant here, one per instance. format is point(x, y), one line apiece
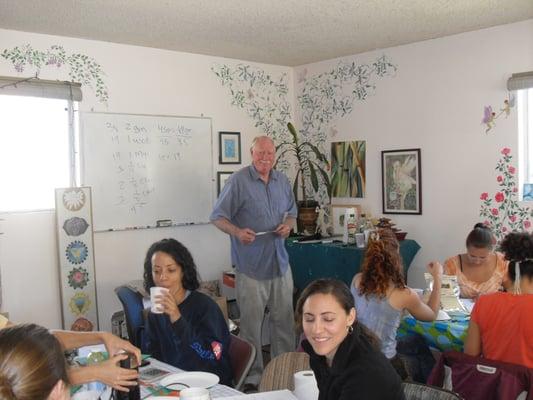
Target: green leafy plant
point(311, 165)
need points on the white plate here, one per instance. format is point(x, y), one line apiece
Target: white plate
point(191, 379)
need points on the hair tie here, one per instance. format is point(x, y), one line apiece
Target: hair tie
point(517, 288)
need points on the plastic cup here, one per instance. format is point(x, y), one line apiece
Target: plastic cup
point(156, 308)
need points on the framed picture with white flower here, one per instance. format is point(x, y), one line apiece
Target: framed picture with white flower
point(401, 181)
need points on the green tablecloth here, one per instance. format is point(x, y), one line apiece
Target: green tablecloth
point(442, 335)
point(310, 261)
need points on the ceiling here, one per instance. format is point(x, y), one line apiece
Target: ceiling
point(282, 32)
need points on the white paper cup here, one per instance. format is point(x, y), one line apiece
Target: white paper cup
point(156, 308)
point(195, 394)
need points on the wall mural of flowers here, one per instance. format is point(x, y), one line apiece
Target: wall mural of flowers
point(81, 68)
point(323, 98)
point(502, 212)
point(332, 94)
point(262, 96)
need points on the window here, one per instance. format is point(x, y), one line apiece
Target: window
point(36, 151)
point(525, 142)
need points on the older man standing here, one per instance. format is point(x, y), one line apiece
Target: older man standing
point(257, 209)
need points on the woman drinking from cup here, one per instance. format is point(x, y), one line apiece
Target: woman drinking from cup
point(480, 270)
point(343, 354)
point(187, 329)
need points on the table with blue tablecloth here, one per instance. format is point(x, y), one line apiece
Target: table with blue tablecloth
point(310, 261)
point(441, 335)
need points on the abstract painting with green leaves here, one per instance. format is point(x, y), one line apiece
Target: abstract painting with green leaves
point(348, 170)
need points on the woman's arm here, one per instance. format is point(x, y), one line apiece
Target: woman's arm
point(202, 333)
point(473, 340)
point(73, 340)
point(107, 372)
point(450, 266)
point(415, 305)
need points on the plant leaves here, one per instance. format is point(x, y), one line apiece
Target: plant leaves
point(292, 130)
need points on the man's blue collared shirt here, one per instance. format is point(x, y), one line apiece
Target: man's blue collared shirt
point(248, 202)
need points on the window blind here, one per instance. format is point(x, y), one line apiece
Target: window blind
point(36, 87)
point(520, 81)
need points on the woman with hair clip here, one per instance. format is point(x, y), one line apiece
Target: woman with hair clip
point(480, 270)
point(343, 354)
point(32, 365)
point(501, 324)
point(191, 332)
point(381, 296)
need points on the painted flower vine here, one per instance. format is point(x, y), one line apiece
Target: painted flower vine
point(82, 68)
point(262, 96)
point(502, 212)
point(331, 95)
point(324, 97)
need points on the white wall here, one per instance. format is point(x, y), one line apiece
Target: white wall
point(435, 102)
point(140, 80)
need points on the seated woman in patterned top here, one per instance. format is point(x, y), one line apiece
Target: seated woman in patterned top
point(480, 270)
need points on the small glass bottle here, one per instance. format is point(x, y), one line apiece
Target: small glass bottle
point(351, 223)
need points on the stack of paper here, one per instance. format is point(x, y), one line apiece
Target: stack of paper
point(449, 294)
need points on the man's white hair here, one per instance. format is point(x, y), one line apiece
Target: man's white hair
point(259, 138)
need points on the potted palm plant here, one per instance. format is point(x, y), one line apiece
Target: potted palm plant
point(311, 165)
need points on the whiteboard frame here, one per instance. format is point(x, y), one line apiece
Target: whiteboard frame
point(212, 165)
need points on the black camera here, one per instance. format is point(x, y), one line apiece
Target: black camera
point(135, 391)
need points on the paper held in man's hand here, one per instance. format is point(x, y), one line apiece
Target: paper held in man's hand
point(449, 294)
point(263, 233)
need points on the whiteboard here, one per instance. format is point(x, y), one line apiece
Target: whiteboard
point(147, 170)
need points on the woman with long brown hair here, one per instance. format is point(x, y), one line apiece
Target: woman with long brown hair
point(381, 295)
point(344, 355)
point(32, 365)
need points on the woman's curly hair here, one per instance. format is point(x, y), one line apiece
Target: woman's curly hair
point(382, 265)
point(518, 247)
point(181, 256)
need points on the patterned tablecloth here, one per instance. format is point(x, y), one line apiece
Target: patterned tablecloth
point(442, 335)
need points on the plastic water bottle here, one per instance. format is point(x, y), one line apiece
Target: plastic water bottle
point(351, 224)
point(95, 357)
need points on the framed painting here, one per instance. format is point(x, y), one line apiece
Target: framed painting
point(348, 169)
point(337, 216)
point(229, 147)
point(401, 181)
point(222, 177)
